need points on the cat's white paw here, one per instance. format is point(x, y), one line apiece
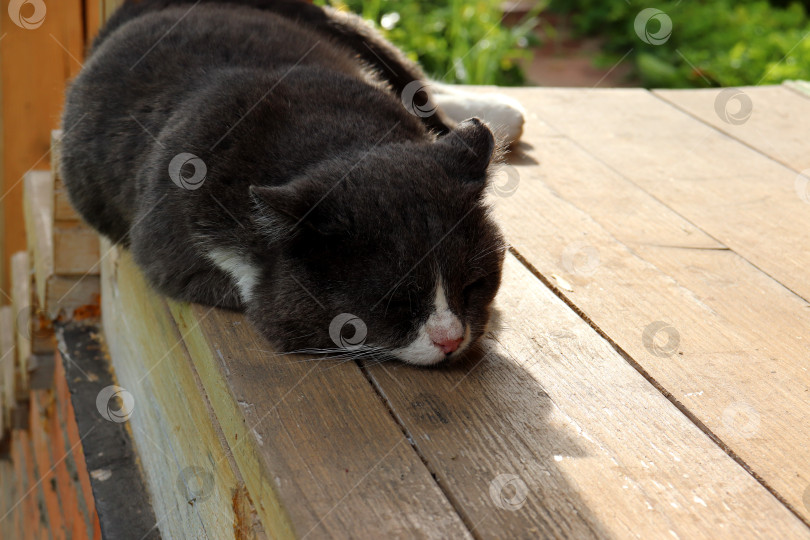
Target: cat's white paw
point(504, 114)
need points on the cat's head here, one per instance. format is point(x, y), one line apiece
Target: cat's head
point(389, 252)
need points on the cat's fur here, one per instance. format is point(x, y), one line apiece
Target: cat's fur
point(322, 195)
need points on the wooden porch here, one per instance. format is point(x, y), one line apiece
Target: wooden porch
point(650, 381)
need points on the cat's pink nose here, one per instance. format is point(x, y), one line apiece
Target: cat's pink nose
point(449, 345)
point(446, 332)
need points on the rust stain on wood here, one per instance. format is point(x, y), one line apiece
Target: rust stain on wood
point(244, 515)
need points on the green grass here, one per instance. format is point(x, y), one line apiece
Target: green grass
point(454, 41)
point(713, 42)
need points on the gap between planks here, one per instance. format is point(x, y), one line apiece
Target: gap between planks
point(549, 102)
point(769, 128)
point(553, 287)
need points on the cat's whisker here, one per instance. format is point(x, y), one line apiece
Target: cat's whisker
point(490, 248)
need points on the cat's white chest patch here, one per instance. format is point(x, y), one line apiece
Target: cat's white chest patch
point(244, 274)
point(441, 335)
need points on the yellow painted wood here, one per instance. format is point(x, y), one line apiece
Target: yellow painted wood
point(187, 468)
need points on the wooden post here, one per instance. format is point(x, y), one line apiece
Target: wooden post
point(39, 52)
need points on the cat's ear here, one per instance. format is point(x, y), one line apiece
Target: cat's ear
point(278, 210)
point(281, 211)
point(467, 150)
point(285, 201)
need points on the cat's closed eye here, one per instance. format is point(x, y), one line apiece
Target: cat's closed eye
point(476, 283)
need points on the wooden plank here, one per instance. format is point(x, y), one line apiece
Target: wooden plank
point(62, 209)
point(317, 449)
point(640, 263)
point(93, 11)
point(36, 520)
point(39, 224)
point(21, 307)
point(75, 249)
point(110, 458)
point(800, 87)
point(46, 463)
point(56, 294)
point(745, 200)
point(767, 118)
point(8, 357)
point(187, 469)
point(79, 461)
point(32, 98)
point(73, 244)
point(7, 524)
point(110, 6)
point(68, 491)
point(41, 331)
point(593, 448)
point(25, 507)
point(65, 296)
point(33, 325)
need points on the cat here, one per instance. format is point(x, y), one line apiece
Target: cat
point(267, 156)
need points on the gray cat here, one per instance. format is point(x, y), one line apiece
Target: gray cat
point(256, 155)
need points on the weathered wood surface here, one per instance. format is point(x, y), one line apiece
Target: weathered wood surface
point(740, 197)
point(552, 405)
point(740, 367)
point(22, 312)
point(193, 486)
point(318, 431)
point(62, 209)
point(650, 379)
point(8, 356)
point(82, 373)
point(600, 449)
point(767, 118)
point(38, 203)
point(739, 355)
point(73, 283)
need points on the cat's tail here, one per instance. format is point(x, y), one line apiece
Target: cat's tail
point(346, 29)
point(132, 9)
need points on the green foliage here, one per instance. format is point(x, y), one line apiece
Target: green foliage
point(455, 41)
point(713, 42)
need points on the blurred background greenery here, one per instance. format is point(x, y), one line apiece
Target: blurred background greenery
point(712, 43)
point(455, 41)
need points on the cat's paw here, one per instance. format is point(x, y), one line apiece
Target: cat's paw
point(504, 114)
